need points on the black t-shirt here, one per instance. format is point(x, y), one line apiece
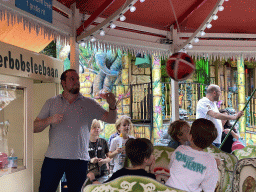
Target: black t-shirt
point(101, 148)
point(228, 143)
point(124, 171)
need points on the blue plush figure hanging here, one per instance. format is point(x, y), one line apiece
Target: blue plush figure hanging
point(110, 67)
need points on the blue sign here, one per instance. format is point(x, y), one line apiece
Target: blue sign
point(39, 8)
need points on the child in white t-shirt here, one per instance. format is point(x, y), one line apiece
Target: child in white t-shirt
point(117, 147)
point(192, 169)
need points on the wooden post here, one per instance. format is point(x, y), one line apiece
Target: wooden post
point(74, 46)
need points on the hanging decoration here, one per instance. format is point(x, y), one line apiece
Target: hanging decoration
point(14, 16)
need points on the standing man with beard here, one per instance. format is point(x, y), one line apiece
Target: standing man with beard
point(69, 115)
point(207, 108)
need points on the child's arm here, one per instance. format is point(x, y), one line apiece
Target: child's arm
point(112, 154)
point(104, 161)
point(114, 150)
point(91, 176)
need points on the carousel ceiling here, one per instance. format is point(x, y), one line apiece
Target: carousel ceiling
point(232, 32)
point(238, 16)
point(159, 25)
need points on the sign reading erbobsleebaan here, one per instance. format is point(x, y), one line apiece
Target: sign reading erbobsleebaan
point(23, 63)
point(39, 8)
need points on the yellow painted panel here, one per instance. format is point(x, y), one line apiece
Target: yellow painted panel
point(126, 109)
point(147, 71)
point(156, 101)
point(157, 91)
point(126, 101)
point(156, 74)
point(125, 77)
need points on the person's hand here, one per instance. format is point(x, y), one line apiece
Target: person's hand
point(119, 150)
point(57, 118)
point(239, 114)
point(91, 176)
point(94, 160)
point(217, 161)
point(226, 131)
point(111, 100)
point(101, 162)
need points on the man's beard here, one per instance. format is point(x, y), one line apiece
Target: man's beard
point(216, 98)
point(74, 91)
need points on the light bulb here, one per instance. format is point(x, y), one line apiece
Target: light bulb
point(202, 33)
point(215, 17)
point(82, 43)
point(196, 40)
point(132, 8)
point(209, 25)
point(221, 8)
point(142, 1)
point(102, 32)
point(112, 26)
point(190, 46)
point(226, 0)
point(122, 18)
point(93, 39)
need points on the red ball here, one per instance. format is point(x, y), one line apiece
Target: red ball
point(180, 66)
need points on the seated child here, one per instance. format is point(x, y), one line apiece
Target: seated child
point(179, 131)
point(117, 147)
point(139, 151)
point(114, 135)
point(192, 169)
point(98, 151)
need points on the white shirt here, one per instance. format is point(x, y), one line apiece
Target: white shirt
point(203, 106)
point(119, 158)
point(192, 170)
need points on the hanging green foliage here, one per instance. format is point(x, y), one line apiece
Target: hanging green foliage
point(202, 71)
point(50, 50)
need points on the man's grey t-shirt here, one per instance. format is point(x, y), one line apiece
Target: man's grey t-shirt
point(70, 138)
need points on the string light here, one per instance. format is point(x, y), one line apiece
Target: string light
point(221, 8)
point(142, 1)
point(202, 33)
point(122, 17)
point(196, 40)
point(102, 32)
point(215, 17)
point(112, 26)
point(82, 43)
point(208, 25)
point(132, 8)
point(226, 0)
point(190, 46)
point(93, 39)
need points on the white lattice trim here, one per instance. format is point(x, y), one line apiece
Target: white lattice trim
point(126, 186)
point(148, 187)
point(106, 188)
point(157, 153)
point(169, 154)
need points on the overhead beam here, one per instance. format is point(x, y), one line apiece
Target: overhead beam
point(202, 26)
point(94, 16)
point(112, 18)
point(190, 10)
point(62, 8)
